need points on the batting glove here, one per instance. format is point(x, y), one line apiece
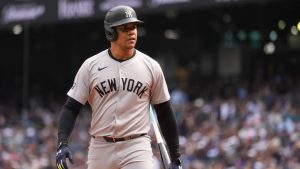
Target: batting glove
point(63, 152)
point(176, 164)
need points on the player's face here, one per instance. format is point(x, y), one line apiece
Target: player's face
point(127, 35)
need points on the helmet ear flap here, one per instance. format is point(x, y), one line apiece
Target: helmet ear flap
point(110, 33)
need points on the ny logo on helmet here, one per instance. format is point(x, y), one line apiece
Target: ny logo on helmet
point(128, 14)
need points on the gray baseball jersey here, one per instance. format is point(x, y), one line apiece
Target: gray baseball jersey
point(119, 92)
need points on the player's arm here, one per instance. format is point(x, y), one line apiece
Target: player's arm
point(68, 115)
point(169, 129)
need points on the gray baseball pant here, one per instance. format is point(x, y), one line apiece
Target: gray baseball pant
point(131, 154)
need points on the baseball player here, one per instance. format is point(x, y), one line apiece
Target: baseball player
point(119, 84)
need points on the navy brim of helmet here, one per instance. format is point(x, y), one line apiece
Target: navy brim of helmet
point(125, 21)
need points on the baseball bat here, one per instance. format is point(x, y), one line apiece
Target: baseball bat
point(164, 154)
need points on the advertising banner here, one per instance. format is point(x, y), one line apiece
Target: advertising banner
point(53, 11)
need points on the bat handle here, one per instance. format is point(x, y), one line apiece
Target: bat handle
point(164, 155)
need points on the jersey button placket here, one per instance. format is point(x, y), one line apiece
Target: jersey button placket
point(118, 100)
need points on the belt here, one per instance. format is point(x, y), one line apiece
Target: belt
point(113, 139)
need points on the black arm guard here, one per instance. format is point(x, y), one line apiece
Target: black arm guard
point(168, 126)
point(67, 119)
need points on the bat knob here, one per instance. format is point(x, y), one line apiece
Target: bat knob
point(176, 164)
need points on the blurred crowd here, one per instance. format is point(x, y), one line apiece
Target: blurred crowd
point(253, 126)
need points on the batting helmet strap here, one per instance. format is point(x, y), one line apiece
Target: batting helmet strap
point(118, 16)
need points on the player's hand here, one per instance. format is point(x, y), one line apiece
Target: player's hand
point(63, 152)
point(176, 164)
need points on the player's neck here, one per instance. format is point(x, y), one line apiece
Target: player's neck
point(120, 54)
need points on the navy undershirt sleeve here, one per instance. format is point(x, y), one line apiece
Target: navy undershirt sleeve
point(168, 127)
point(68, 115)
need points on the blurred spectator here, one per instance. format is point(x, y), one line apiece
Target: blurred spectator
point(254, 129)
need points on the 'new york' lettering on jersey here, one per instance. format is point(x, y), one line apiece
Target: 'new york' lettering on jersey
point(119, 92)
point(129, 85)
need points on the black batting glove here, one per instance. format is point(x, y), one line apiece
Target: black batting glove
point(176, 164)
point(63, 152)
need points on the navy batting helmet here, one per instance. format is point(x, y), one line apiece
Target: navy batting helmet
point(118, 16)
